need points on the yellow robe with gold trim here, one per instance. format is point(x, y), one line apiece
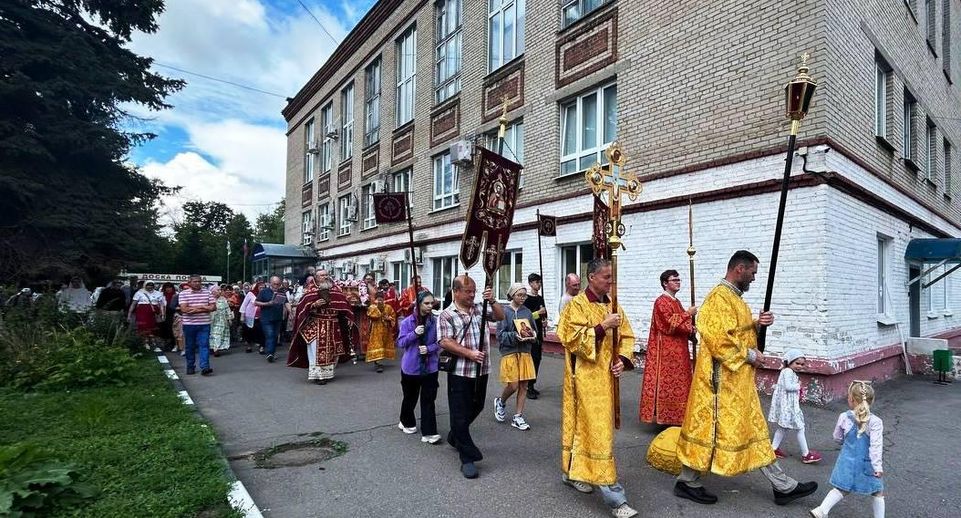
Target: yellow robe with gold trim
point(724, 430)
point(381, 344)
point(587, 416)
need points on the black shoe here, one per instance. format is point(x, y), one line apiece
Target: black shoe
point(248, 349)
point(380, 368)
point(695, 494)
point(532, 395)
point(206, 372)
point(191, 372)
point(469, 470)
point(270, 358)
point(802, 490)
point(260, 350)
point(450, 440)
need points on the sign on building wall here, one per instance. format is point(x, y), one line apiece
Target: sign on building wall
point(171, 277)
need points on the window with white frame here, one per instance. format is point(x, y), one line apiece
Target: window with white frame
point(400, 273)
point(327, 120)
point(324, 222)
point(310, 147)
point(367, 206)
point(505, 32)
point(347, 116)
point(446, 188)
point(511, 271)
point(931, 143)
point(400, 181)
point(307, 228)
point(574, 10)
point(883, 245)
point(444, 270)
point(406, 75)
point(344, 215)
point(372, 102)
point(935, 292)
point(449, 45)
point(574, 259)
point(880, 99)
point(907, 134)
point(513, 144)
point(588, 126)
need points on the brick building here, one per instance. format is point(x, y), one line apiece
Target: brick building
point(694, 93)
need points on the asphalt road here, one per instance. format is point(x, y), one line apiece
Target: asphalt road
point(254, 405)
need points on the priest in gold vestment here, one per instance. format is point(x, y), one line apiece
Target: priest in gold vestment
point(592, 361)
point(724, 430)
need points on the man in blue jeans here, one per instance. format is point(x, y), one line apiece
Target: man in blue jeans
point(271, 301)
point(196, 304)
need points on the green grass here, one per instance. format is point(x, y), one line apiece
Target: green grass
point(146, 452)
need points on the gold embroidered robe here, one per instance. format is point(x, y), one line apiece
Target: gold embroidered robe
point(587, 412)
point(724, 429)
point(381, 344)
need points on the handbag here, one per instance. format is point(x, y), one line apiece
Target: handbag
point(447, 361)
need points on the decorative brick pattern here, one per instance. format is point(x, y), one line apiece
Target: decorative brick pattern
point(369, 162)
point(402, 146)
point(307, 194)
point(508, 82)
point(344, 176)
point(445, 122)
point(323, 187)
point(587, 49)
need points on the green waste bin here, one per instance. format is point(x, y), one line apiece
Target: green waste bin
point(942, 360)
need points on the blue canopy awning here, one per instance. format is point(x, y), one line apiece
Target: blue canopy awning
point(933, 251)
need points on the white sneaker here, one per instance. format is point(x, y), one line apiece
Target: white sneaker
point(406, 430)
point(818, 513)
point(430, 439)
point(624, 511)
point(519, 422)
point(157, 350)
point(500, 413)
point(582, 487)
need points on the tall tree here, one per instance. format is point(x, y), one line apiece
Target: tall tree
point(70, 202)
point(270, 225)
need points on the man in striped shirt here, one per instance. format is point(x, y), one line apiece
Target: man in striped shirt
point(196, 304)
point(459, 333)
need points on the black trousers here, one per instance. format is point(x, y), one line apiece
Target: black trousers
point(536, 350)
point(425, 388)
point(466, 397)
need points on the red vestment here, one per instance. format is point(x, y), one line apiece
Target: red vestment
point(667, 370)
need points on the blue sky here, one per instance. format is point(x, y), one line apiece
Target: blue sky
point(221, 142)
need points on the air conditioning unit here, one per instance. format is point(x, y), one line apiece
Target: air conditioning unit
point(352, 213)
point(330, 132)
point(461, 152)
point(419, 259)
point(376, 265)
point(376, 186)
point(348, 266)
point(313, 147)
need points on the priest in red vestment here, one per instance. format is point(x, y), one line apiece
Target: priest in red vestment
point(409, 297)
point(667, 369)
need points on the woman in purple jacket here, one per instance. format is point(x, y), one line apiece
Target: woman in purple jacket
point(418, 366)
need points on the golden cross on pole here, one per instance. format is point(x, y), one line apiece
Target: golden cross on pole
point(613, 180)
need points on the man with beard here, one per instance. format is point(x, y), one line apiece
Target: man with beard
point(724, 429)
point(319, 339)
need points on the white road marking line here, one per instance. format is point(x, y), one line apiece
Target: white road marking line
point(162, 359)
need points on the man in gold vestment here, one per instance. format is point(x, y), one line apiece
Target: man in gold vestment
point(592, 362)
point(724, 429)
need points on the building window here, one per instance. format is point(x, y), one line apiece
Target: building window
point(367, 206)
point(327, 119)
point(345, 215)
point(511, 271)
point(446, 188)
point(882, 274)
point(574, 10)
point(444, 270)
point(400, 181)
point(910, 115)
point(372, 103)
point(505, 32)
point(947, 167)
point(936, 292)
point(400, 274)
point(310, 144)
point(406, 75)
point(931, 27)
point(931, 151)
point(588, 126)
point(946, 37)
point(880, 99)
point(574, 259)
point(448, 57)
point(513, 144)
point(347, 116)
point(326, 225)
point(307, 228)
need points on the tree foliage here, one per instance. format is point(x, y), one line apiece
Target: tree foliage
point(203, 236)
point(70, 202)
point(270, 225)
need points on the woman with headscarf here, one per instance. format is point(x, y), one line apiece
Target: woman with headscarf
point(251, 314)
point(220, 322)
point(147, 307)
point(74, 298)
point(418, 369)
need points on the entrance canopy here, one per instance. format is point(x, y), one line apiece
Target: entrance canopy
point(283, 260)
point(936, 252)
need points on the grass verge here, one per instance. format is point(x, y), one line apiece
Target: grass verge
point(146, 452)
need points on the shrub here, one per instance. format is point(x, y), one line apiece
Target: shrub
point(33, 483)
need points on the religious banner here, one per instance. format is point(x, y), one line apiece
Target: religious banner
point(601, 218)
point(547, 226)
point(390, 207)
point(491, 211)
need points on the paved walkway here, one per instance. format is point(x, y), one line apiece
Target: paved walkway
point(254, 405)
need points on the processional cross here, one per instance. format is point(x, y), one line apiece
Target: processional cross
point(613, 180)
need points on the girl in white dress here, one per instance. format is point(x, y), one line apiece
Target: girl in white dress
point(786, 408)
